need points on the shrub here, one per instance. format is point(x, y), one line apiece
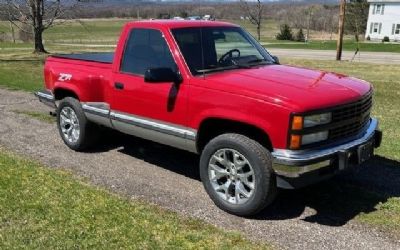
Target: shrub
point(368, 38)
point(3, 36)
point(285, 33)
point(300, 36)
point(386, 39)
point(24, 35)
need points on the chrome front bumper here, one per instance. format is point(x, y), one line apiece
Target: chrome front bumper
point(294, 164)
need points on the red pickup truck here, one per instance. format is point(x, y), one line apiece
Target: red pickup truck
point(210, 88)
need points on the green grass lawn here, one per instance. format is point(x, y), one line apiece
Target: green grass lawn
point(42, 208)
point(339, 202)
point(37, 115)
point(386, 216)
point(23, 75)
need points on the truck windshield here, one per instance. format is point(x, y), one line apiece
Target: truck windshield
point(211, 49)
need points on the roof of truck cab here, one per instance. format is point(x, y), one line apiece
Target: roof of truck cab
point(173, 24)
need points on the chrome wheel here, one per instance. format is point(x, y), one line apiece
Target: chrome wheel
point(231, 176)
point(69, 125)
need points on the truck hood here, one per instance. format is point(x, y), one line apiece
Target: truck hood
point(296, 88)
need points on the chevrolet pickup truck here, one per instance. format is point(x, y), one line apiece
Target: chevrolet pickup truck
point(210, 88)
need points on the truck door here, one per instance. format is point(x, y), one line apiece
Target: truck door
point(155, 111)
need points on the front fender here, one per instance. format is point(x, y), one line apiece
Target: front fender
point(273, 122)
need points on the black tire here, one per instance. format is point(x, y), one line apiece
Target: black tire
point(260, 158)
point(88, 130)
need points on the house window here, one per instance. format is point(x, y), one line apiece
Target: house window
point(375, 28)
point(379, 9)
point(396, 29)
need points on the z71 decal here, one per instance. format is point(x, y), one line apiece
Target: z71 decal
point(64, 77)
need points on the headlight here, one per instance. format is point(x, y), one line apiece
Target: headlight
point(315, 120)
point(308, 122)
point(315, 137)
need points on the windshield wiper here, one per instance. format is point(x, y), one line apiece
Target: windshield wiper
point(216, 69)
point(258, 61)
point(246, 65)
point(242, 66)
point(251, 64)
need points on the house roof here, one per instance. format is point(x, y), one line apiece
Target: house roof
point(383, 1)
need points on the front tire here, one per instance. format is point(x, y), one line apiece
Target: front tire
point(76, 131)
point(236, 172)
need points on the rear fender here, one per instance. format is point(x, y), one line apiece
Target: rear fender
point(62, 86)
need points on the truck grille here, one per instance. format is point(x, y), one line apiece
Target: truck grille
point(354, 117)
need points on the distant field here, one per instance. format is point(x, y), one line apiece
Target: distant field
point(102, 31)
point(105, 32)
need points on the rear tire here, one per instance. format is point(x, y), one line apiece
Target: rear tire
point(76, 131)
point(237, 173)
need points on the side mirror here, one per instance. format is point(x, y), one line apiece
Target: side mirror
point(276, 59)
point(158, 75)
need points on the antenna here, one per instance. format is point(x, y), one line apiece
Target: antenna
point(202, 53)
point(199, 8)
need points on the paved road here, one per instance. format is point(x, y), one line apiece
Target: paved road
point(366, 57)
point(169, 178)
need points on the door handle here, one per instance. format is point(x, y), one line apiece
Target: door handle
point(119, 85)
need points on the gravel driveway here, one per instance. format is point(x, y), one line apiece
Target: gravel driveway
point(169, 178)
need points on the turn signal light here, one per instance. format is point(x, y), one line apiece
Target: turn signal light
point(297, 123)
point(295, 141)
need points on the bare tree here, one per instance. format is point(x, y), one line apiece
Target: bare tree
point(357, 17)
point(35, 16)
point(254, 12)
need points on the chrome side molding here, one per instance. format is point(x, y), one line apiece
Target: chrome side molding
point(98, 112)
point(150, 129)
point(170, 129)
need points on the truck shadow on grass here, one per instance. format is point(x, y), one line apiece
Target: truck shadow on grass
point(338, 200)
point(335, 201)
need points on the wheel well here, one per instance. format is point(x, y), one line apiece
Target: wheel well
point(212, 128)
point(60, 94)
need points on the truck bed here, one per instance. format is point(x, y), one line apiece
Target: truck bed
point(106, 57)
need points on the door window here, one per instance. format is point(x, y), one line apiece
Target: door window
point(146, 48)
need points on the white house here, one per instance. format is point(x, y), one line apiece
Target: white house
point(384, 20)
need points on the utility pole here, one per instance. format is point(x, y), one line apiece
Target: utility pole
point(341, 30)
point(310, 13)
